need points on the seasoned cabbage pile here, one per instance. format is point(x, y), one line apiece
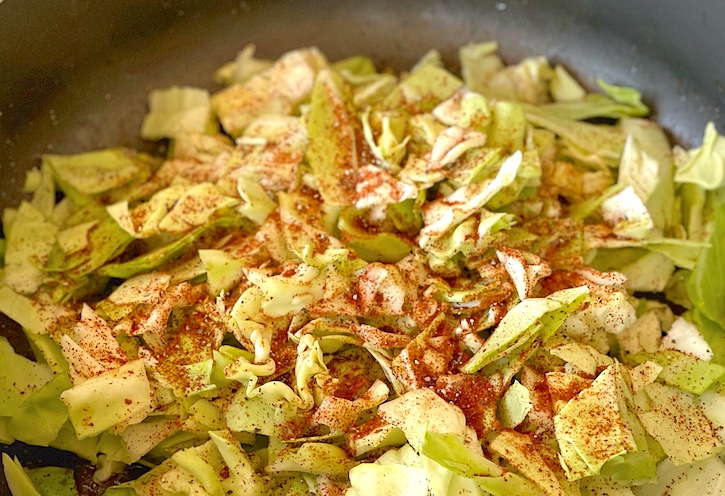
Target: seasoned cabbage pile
point(345, 281)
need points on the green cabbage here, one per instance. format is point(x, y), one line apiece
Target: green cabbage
point(705, 287)
point(126, 393)
point(90, 174)
point(18, 481)
point(524, 322)
point(53, 481)
point(333, 131)
point(375, 283)
point(450, 452)
point(177, 110)
point(704, 166)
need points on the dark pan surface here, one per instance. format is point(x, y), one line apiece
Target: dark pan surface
point(74, 74)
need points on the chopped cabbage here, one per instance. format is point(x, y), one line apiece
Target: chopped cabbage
point(345, 281)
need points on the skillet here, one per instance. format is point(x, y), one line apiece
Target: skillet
point(74, 74)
